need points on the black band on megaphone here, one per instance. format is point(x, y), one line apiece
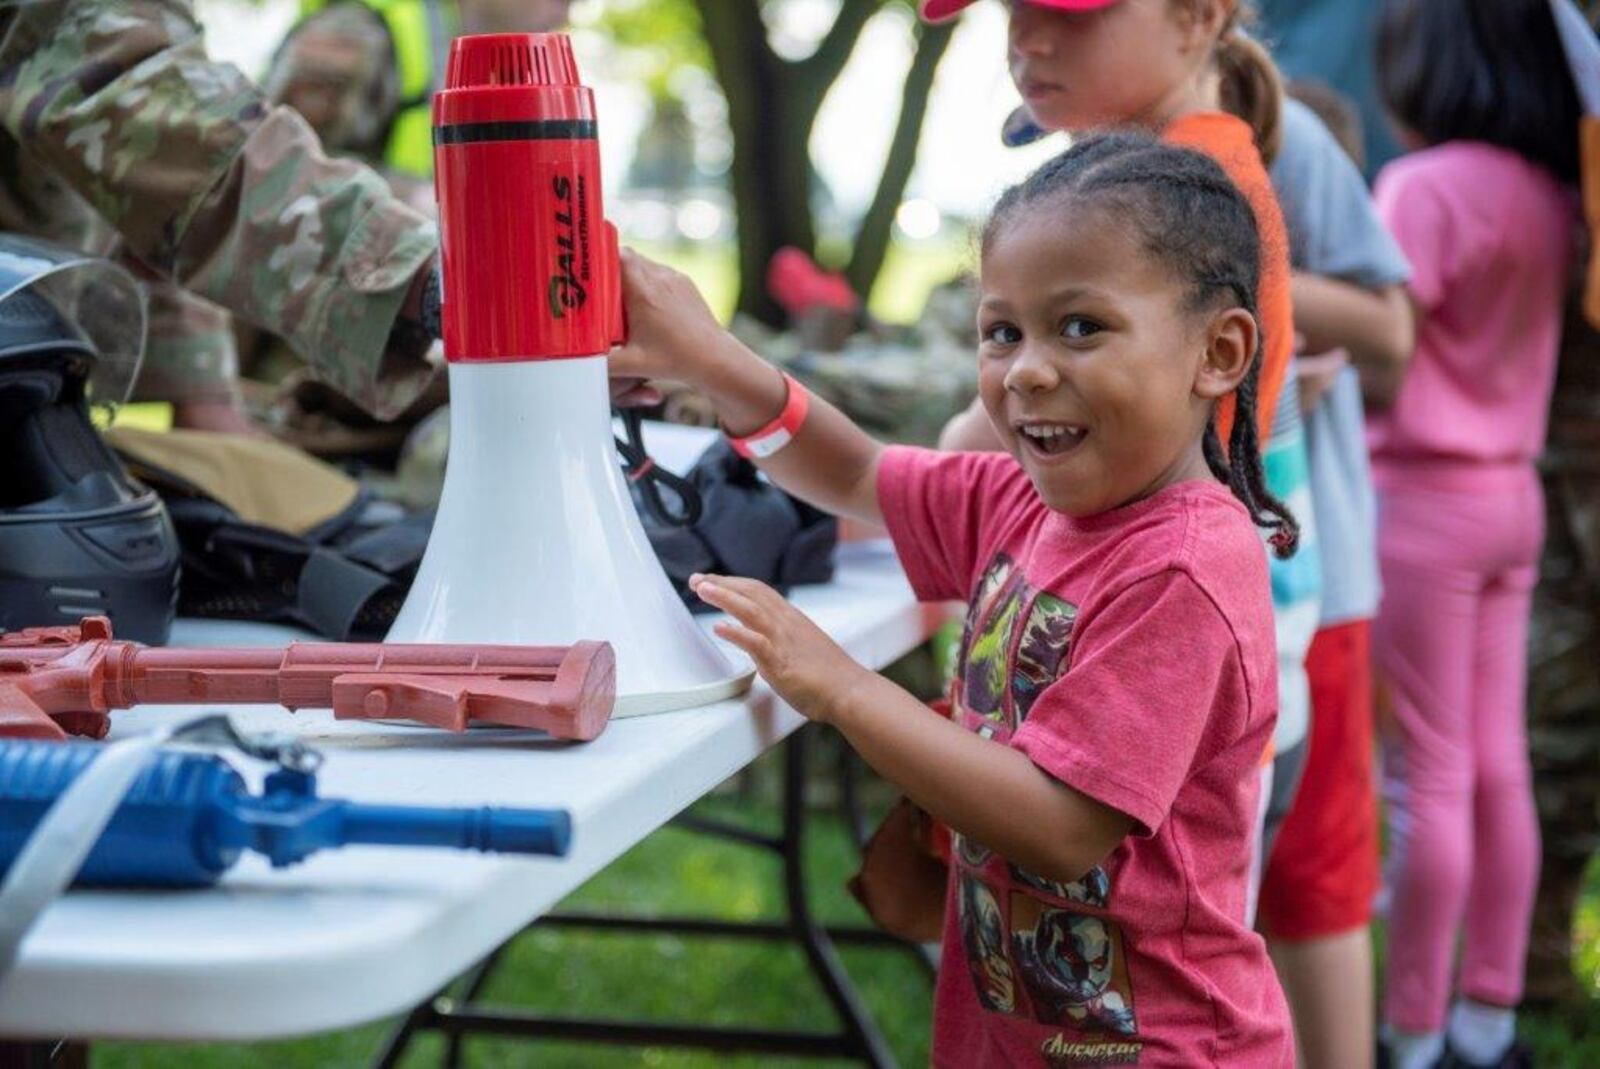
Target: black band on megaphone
point(534, 130)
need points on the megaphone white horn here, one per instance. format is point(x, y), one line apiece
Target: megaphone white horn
point(537, 540)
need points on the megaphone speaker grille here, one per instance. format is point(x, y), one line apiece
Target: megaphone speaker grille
point(511, 59)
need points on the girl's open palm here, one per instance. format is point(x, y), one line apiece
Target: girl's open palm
point(794, 655)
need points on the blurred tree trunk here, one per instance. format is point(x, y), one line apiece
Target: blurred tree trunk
point(772, 109)
point(1564, 664)
point(872, 237)
point(1564, 655)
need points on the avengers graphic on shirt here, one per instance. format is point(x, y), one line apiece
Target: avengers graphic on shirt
point(983, 933)
point(1035, 948)
point(986, 652)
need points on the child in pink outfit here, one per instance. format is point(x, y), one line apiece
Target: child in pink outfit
point(1488, 228)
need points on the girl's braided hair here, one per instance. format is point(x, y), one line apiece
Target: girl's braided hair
point(1197, 223)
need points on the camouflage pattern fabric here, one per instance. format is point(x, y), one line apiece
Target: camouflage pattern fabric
point(189, 351)
point(898, 385)
point(337, 70)
point(111, 113)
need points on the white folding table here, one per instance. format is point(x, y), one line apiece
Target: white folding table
point(361, 933)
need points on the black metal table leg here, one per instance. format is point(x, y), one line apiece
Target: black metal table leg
point(471, 987)
point(44, 1054)
point(422, 1018)
point(825, 964)
point(849, 769)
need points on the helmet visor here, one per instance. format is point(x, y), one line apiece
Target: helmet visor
point(97, 298)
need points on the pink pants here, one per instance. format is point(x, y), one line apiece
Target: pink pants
point(1459, 546)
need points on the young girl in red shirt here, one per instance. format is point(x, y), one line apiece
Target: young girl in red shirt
point(1117, 683)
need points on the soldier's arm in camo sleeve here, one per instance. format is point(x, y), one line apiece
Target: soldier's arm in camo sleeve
point(337, 69)
point(208, 184)
point(190, 355)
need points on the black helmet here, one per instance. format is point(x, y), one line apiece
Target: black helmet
point(78, 537)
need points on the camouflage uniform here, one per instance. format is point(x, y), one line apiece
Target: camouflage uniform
point(111, 114)
point(337, 69)
point(189, 352)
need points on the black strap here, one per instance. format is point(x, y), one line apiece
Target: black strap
point(333, 589)
point(648, 477)
point(326, 587)
point(395, 548)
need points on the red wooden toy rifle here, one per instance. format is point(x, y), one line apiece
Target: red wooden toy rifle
point(60, 681)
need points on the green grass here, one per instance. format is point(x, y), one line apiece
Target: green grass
point(1564, 1038)
point(725, 982)
point(1586, 935)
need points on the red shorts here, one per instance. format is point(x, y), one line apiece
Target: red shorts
point(1323, 872)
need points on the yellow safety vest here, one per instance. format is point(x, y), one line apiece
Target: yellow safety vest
point(420, 31)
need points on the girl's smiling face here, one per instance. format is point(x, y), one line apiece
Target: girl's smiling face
point(1096, 374)
point(1136, 61)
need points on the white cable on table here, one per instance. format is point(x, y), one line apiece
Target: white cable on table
point(57, 848)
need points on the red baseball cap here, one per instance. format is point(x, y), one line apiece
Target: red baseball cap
point(940, 10)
